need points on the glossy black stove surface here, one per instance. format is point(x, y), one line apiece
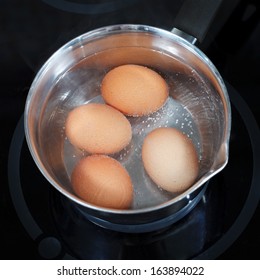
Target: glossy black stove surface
point(37, 222)
point(59, 230)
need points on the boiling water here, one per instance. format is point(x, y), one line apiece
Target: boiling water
point(172, 114)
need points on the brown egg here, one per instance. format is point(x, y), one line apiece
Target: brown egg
point(170, 159)
point(98, 128)
point(134, 90)
point(102, 181)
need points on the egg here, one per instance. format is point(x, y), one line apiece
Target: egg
point(103, 181)
point(98, 129)
point(135, 90)
point(170, 159)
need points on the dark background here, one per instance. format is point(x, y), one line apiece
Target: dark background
point(32, 30)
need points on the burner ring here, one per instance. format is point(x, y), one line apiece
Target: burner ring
point(253, 197)
point(223, 243)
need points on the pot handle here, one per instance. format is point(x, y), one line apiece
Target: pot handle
point(194, 19)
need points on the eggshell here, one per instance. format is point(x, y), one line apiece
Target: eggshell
point(134, 90)
point(98, 129)
point(102, 181)
point(170, 159)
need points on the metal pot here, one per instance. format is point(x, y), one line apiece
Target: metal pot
point(72, 77)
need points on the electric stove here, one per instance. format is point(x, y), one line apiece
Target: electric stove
point(39, 223)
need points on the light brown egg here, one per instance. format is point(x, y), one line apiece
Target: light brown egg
point(102, 181)
point(98, 129)
point(170, 159)
point(134, 90)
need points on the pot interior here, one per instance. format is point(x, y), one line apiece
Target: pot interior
point(72, 77)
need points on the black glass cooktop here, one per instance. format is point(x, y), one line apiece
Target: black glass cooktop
point(38, 222)
point(59, 230)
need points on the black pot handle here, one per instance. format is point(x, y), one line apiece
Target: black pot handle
point(196, 16)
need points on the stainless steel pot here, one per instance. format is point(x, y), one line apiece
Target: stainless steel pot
point(198, 105)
